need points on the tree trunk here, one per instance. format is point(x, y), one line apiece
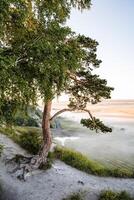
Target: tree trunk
point(46, 132)
point(28, 164)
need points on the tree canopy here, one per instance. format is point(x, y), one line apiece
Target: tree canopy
point(41, 57)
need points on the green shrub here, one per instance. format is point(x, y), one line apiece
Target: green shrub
point(49, 163)
point(19, 121)
point(81, 162)
point(28, 138)
point(31, 122)
point(30, 141)
point(75, 196)
point(1, 149)
point(110, 195)
point(120, 172)
point(10, 132)
point(25, 121)
point(26, 129)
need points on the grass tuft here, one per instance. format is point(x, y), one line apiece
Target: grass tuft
point(81, 162)
point(110, 195)
point(75, 196)
point(49, 163)
point(1, 149)
point(26, 137)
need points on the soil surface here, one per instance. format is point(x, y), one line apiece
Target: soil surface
point(55, 183)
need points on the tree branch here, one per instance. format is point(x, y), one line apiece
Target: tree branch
point(86, 110)
point(70, 110)
point(91, 116)
point(61, 111)
point(74, 78)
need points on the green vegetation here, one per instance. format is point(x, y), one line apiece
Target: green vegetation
point(30, 139)
point(49, 163)
point(105, 195)
point(29, 121)
point(1, 149)
point(81, 162)
point(31, 116)
point(78, 160)
point(27, 137)
point(74, 196)
point(41, 58)
point(110, 195)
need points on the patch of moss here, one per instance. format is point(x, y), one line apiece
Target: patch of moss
point(110, 195)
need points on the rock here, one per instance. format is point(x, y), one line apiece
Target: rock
point(81, 182)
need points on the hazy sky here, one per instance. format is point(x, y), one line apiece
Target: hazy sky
point(111, 23)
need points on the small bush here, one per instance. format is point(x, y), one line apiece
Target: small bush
point(30, 141)
point(1, 149)
point(75, 196)
point(19, 121)
point(120, 172)
point(110, 195)
point(47, 165)
point(31, 122)
point(23, 121)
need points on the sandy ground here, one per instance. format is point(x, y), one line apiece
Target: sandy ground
point(55, 183)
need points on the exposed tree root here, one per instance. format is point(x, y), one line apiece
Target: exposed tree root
point(25, 165)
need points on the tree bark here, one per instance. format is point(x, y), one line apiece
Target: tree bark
point(47, 141)
point(28, 164)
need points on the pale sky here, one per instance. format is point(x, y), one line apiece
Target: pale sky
point(111, 23)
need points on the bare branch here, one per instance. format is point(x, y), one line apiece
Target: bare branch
point(61, 111)
point(70, 110)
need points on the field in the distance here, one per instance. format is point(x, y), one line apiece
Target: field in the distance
point(115, 108)
point(112, 149)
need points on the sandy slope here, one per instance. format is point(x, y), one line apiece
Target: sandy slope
point(56, 183)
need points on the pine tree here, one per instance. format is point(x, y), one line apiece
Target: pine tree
point(40, 57)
